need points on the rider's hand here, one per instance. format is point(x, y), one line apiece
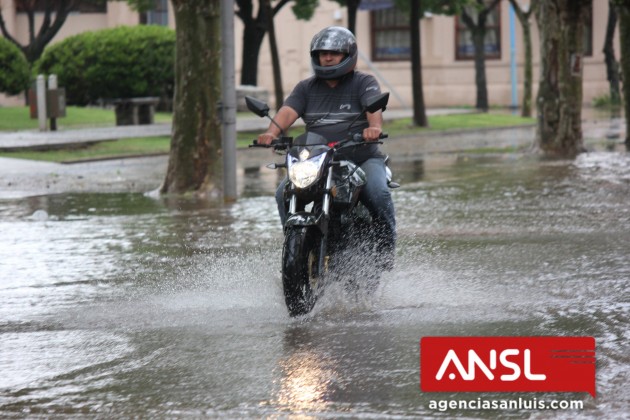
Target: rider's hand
point(372, 133)
point(266, 138)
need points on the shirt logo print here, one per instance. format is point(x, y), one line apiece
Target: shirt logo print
point(345, 106)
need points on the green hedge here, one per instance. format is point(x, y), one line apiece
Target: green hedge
point(15, 73)
point(122, 62)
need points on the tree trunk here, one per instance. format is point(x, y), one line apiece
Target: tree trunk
point(524, 19)
point(612, 67)
point(419, 111)
point(253, 35)
point(275, 59)
point(624, 36)
point(561, 24)
point(526, 110)
point(480, 70)
point(352, 6)
point(478, 31)
point(195, 163)
point(254, 30)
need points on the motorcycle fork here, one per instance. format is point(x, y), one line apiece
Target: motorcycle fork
point(322, 263)
point(323, 257)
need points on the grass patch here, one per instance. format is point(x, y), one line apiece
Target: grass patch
point(102, 150)
point(111, 149)
point(17, 118)
point(403, 127)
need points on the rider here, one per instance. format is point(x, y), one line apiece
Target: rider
point(328, 102)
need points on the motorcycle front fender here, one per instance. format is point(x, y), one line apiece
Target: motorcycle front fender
point(303, 218)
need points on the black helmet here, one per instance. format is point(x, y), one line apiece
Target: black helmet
point(334, 38)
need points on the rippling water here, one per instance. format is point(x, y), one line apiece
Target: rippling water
point(120, 305)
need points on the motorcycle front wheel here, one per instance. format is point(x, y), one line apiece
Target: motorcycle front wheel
point(300, 257)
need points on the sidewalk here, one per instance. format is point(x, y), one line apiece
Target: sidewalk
point(34, 139)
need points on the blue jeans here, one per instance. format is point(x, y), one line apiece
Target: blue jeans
point(375, 196)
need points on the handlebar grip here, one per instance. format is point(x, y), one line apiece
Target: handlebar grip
point(358, 137)
point(255, 144)
point(277, 144)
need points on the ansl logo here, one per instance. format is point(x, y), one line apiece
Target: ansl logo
point(514, 364)
point(507, 364)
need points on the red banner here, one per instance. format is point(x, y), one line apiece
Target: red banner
point(507, 364)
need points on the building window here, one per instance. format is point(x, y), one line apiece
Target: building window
point(158, 15)
point(390, 35)
point(464, 47)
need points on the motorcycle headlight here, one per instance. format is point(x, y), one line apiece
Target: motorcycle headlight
point(304, 173)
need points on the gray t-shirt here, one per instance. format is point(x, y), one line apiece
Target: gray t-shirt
point(329, 111)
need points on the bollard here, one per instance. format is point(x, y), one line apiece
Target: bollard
point(41, 102)
point(52, 85)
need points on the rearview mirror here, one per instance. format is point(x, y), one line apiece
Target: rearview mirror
point(378, 102)
point(257, 106)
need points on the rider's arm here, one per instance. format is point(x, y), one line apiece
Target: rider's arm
point(375, 121)
point(285, 118)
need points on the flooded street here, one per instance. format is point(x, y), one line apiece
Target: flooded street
point(123, 305)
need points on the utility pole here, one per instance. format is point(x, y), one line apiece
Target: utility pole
point(228, 92)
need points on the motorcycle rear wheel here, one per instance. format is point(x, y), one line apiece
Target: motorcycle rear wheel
point(299, 269)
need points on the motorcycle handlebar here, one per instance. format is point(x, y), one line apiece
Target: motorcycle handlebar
point(358, 137)
point(281, 144)
point(277, 144)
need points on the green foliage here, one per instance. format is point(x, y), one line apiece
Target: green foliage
point(606, 102)
point(121, 62)
point(15, 74)
point(304, 9)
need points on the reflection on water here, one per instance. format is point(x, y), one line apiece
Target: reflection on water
point(305, 376)
point(123, 305)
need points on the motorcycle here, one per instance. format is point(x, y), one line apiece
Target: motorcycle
point(326, 223)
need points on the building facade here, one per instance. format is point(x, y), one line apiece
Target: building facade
point(383, 38)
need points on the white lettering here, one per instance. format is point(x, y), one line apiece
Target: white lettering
point(474, 362)
point(528, 368)
point(510, 365)
point(473, 359)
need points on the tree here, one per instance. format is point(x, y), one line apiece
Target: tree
point(417, 9)
point(352, 6)
point(524, 18)
point(195, 162)
point(255, 28)
point(275, 59)
point(478, 29)
point(612, 66)
point(561, 23)
point(38, 40)
point(419, 110)
point(623, 11)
